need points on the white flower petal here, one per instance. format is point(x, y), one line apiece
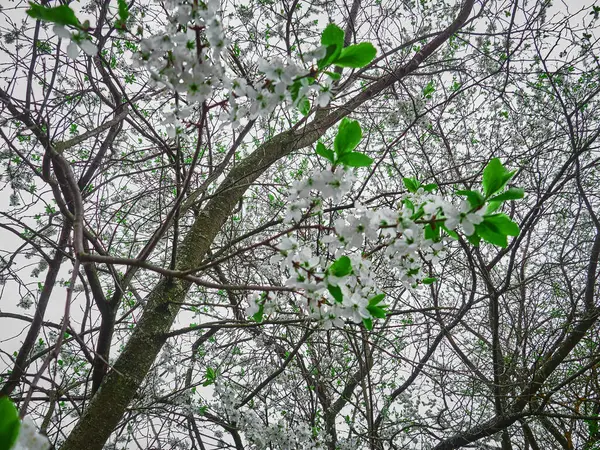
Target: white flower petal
point(29, 437)
point(475, 218)
point(451, 223)
point(61, 32)
point(468, 227)
point(88, 47)
point(72, 50)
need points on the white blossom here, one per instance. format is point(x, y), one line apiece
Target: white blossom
point(462, 216)
point(30, 438)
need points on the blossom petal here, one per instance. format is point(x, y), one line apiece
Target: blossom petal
point(72, 50)
point(89, 47)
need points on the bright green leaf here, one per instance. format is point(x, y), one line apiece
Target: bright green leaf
point(474, 239)
point(368, 323)
point(432, 232)
point(494, 229)
point(453, 234)
point(475, 198)
point(411, 184)
point(341, 267)
point(503, 224)
point(258, 316)
point(348, 136)
point(334, 75)
point(418, 214)
point(493, 206)
point(429, 90)
point(512, 193)
point(325, 152)
point(333, 40)
point(304, 106)
point(9, 423)
point(356, 56)
point(377, 299)
point(332, 52)
point(295, 89)
point(210, 376)
point(336, 293)
point(123, 10)
point(430, 187)
point(376, 311)
point(121, 23)
point(60, 15)
point(491, 235)
point(429, 280)
point(355, 159)
point(495, 177)
point(332, 35)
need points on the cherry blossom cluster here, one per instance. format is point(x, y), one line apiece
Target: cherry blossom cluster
point(188, 58)
point(279, 433)
point(334, 184)
point(344, 290)
point(78, 40)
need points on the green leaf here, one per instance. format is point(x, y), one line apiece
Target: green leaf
point(493, 206)
point(336, 293)
point(474, 239)
point(121, 23)
point(418, 214)
point(356, 56)
point(475, 198)
point(489, 234)
point(495, 177)
point(430, 187)
point(593, 427)
point(295, 89)
point(432, 232)
point(503, 224)
point(325, 152)
point(512, 193)
point(334, 75)
point(429, 280)
point(332, 35)
point(60, 15)
point(368, 323)
point(348, 136)
point(123, 10)
point(411, 184)
point(341, 267)
point(355, 159)
point(376, 311)
point(9, 423)
point(453, 234)
point(377, 299)
point(304, 106)
point(332, 52)
point(494, 229)
point(258, 316)
point(210, 377)
point(429, 90)
point(333, 40)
